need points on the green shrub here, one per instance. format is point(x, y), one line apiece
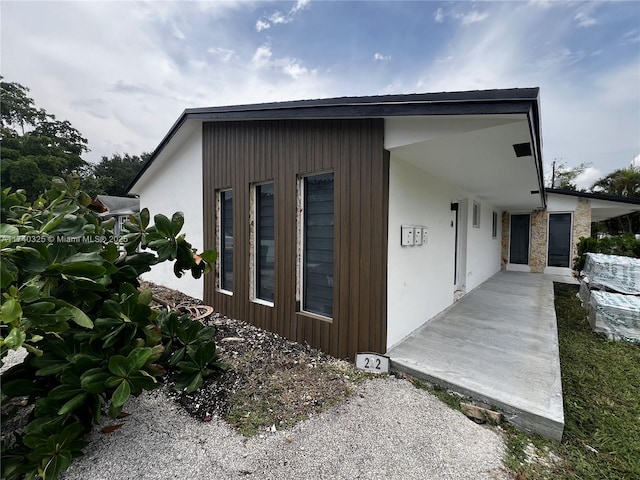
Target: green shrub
point(626, 246)
point(71, 297)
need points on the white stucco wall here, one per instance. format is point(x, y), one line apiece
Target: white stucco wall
point(175, 184)
point(420, 278)
point(483, 251)
point(561, 203)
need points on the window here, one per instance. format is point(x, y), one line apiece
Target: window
point(317, 244)
point(225, 200)
point(494, 226)
point(264, 248)
point(476, 215)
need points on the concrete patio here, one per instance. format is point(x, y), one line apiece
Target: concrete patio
point(499, 346)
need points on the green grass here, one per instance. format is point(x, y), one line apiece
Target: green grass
point(601, 388)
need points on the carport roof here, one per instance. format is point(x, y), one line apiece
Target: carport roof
point(475, 102)
point(603, 206)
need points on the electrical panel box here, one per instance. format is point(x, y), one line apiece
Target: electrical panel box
point(417, 235)
point(407, 237)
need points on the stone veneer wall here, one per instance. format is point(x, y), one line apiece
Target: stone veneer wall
point(538, 247)
point(581, 223)
point(504, 257)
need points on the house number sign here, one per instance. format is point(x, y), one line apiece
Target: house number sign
point(372, 362)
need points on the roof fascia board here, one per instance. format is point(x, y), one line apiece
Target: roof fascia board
point(365, 111)
point(595, 196)
point(533, 117)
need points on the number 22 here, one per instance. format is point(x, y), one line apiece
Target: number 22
point(367, 362)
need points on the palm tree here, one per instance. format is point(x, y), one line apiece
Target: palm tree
point(624, 182)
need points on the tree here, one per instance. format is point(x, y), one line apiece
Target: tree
point(564, 177)
point(35, 146)
point(112, 175)
point(624, 182)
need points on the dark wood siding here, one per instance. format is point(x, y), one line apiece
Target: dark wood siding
point(239, 154)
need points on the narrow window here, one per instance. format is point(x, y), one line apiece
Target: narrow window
point(317, 240)
point(226, 240)
point(264, 242)
point(476, 215)
point(494, 226)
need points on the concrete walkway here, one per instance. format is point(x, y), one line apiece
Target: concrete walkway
point(498, 345)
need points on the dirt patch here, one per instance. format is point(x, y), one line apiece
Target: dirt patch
point(271, 383)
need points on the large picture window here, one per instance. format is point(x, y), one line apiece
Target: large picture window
point(226, 240)
point(264, 254)
point(317, 241)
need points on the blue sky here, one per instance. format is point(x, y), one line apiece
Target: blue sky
point(122, 72)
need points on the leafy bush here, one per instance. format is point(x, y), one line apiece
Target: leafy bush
point(626, 246)
point(71, 297)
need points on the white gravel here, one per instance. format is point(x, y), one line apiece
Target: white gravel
point(387, 430)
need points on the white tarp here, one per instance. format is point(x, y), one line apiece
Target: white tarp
point(616, 315)
point(613, 272)
point(584, 293)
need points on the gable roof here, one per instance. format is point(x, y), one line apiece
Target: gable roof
point(476, 102)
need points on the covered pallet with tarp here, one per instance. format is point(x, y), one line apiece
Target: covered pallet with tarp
point(613, 273)
point(616, 315)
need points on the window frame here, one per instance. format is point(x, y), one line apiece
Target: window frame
point(254, 263)
point(221, 242)
point(301, 247)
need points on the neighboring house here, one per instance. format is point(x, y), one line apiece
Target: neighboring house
point(120, 208)
point(313, 206)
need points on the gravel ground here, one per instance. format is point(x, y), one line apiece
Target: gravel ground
point(387, 430)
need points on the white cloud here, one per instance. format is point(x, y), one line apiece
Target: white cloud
point(278, 18)
point(295, 70)
point(380, 57)
point(222, 54)
point(630, 37)
point(473, 16)
point(587, 178)
point(636, 161)
point(465, 18)
point(262, 25)
point(300, 5)
point(262, 56)
point(584, 20)
point(178, 33)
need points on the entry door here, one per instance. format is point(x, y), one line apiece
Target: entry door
point(559, 254)
point(519, 243)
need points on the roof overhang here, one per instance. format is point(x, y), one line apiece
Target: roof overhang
point(603, 207)
point(506, 106)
